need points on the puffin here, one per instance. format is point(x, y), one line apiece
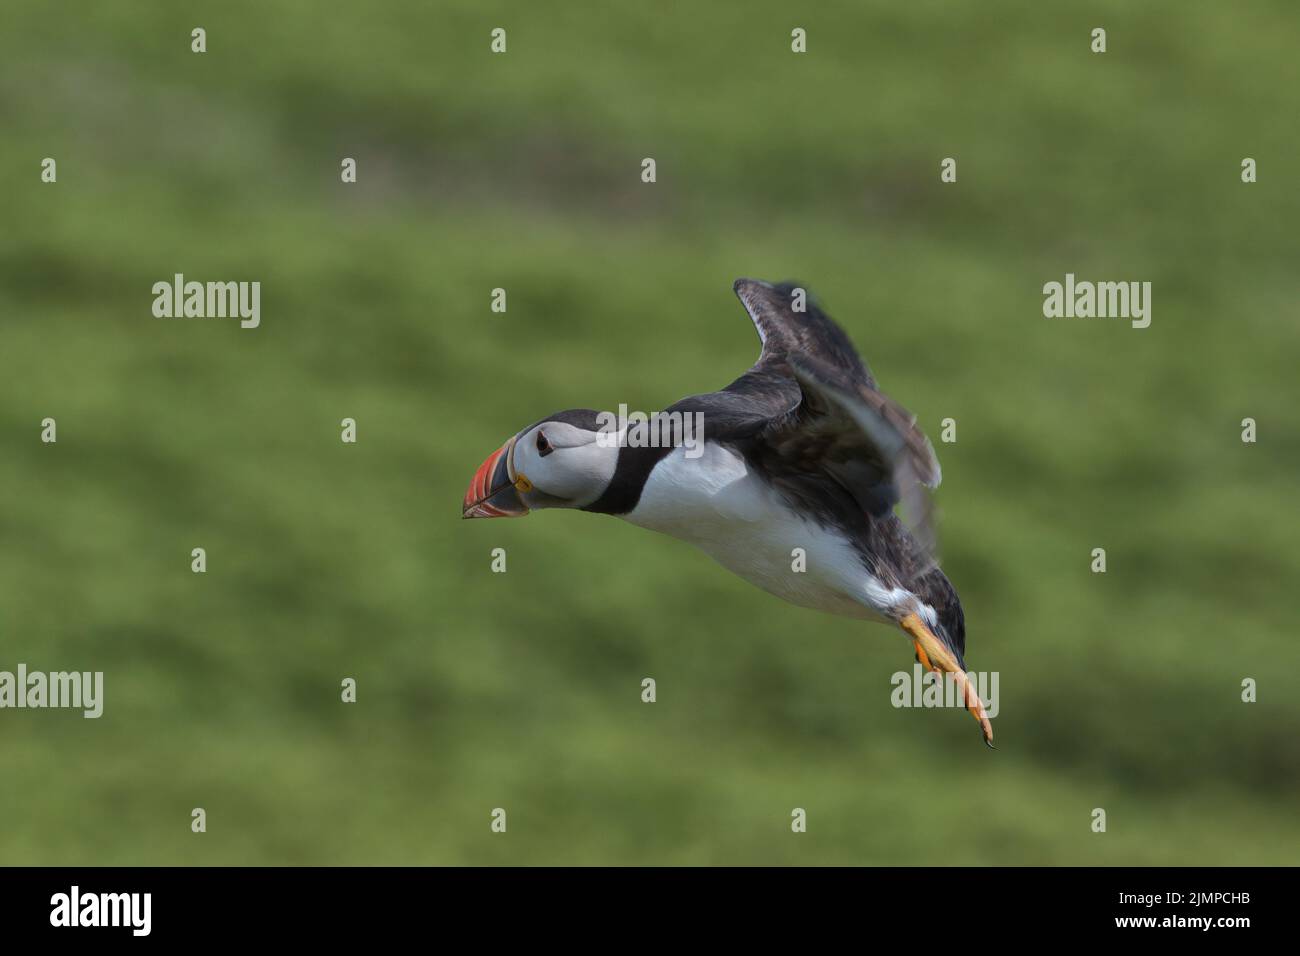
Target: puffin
point(793, 485)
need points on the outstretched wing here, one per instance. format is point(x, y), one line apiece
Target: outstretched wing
point(789, 323)
point(823, 417)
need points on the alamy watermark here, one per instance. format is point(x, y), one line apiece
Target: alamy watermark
point(75, 908)
point(1103, 300)
point(922, 688)
point(657, 430)
point(179, 299)
point(77, 690)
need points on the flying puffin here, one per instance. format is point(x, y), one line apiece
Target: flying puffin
point(802, 451)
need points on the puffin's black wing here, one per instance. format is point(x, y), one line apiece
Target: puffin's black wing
point(790, 323)
point(811, 411)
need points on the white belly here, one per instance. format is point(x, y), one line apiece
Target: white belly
point(715, 503)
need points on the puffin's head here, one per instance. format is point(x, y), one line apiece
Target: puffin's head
point(563, 461)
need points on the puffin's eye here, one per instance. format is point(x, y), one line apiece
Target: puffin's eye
point(543, 446)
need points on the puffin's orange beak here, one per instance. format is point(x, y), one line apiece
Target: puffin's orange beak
point(493, 493)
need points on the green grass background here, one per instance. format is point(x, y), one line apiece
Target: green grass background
point(479, 690)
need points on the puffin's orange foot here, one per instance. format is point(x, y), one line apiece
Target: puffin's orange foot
point(935, 656)
point(921, 657)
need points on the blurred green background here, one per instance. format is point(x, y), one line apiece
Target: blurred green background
point(481, 690)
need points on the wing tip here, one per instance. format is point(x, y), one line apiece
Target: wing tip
point(749, 292)
point(936, 475)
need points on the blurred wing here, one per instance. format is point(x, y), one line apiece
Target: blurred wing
point(864, 440)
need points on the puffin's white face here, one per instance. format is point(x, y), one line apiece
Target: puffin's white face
point(553, 464)
point(566, 466)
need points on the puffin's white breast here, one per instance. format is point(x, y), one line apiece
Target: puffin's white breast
point(717, 503)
